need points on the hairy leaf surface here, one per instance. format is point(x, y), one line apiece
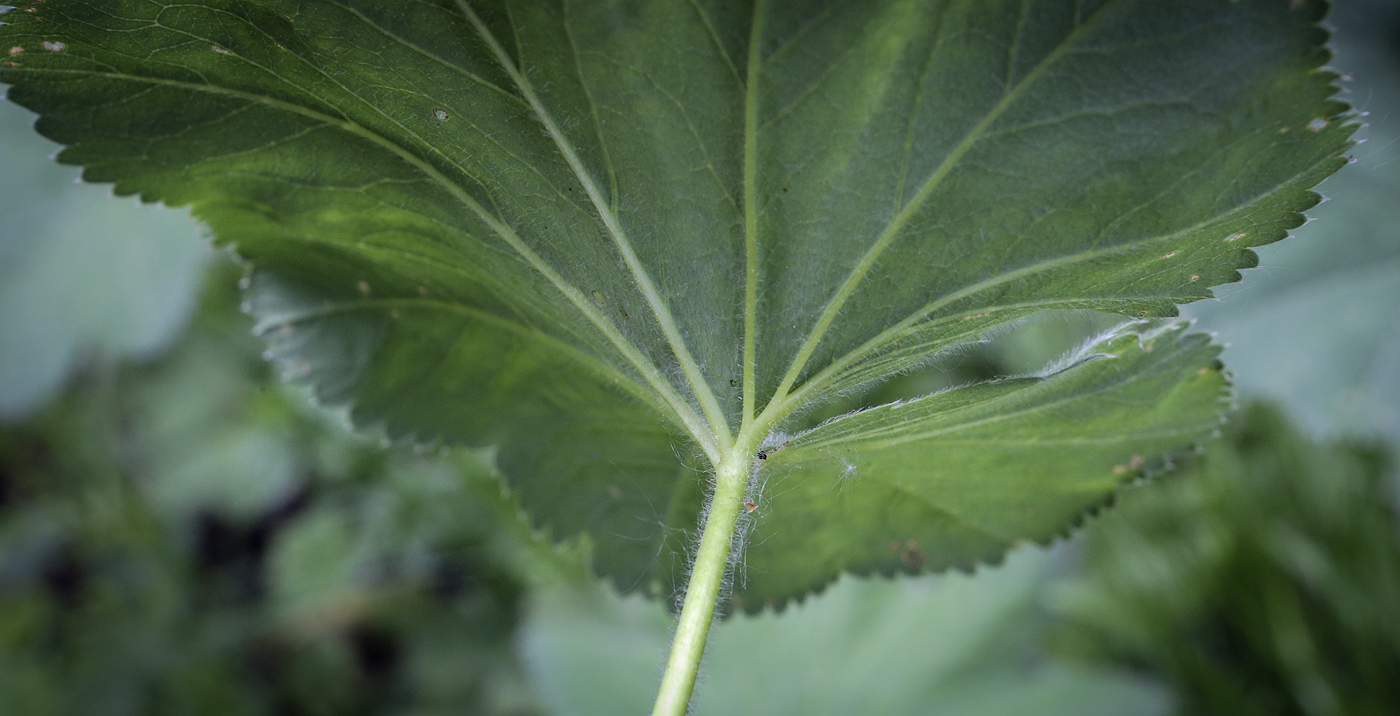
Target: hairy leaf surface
point(622, 240)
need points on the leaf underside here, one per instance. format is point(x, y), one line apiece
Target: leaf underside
point(606, 236)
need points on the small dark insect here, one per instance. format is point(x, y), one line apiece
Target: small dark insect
point(750, 507)
point(763, 454)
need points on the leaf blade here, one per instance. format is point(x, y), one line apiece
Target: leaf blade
point(958, 477)
point(684, 247)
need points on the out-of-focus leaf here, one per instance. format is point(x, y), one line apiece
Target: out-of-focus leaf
point(953, 645)
point(1263, 579)
point(80, 275)
point(315, 576)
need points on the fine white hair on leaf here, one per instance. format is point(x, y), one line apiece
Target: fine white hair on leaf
point(848, 473)
point(1087, 349)
point(775, 439)
point(736, 567)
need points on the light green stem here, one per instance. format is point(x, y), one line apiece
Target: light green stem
point(706, 578)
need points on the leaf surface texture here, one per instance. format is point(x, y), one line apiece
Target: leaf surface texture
point(616, 239)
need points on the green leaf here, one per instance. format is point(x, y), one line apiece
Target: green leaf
point(630, 242)
point(949, 474)
point(1339, 284)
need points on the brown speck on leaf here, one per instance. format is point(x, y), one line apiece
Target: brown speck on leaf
point(912, 556)
point(16, 50)
point(363, 287)
point(1235, 237)
point(53, 46)
point(1169, 254)
point(749, 507)
point(1195, 277)
point(220, 50)
point(1135, 462)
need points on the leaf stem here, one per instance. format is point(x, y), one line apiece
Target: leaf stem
point(706, 578)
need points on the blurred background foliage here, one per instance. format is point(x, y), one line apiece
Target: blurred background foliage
point(1260, 578)
point(182, 533)
point(188, 536)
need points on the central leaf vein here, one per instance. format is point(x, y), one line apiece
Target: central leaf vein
point(751, 210)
